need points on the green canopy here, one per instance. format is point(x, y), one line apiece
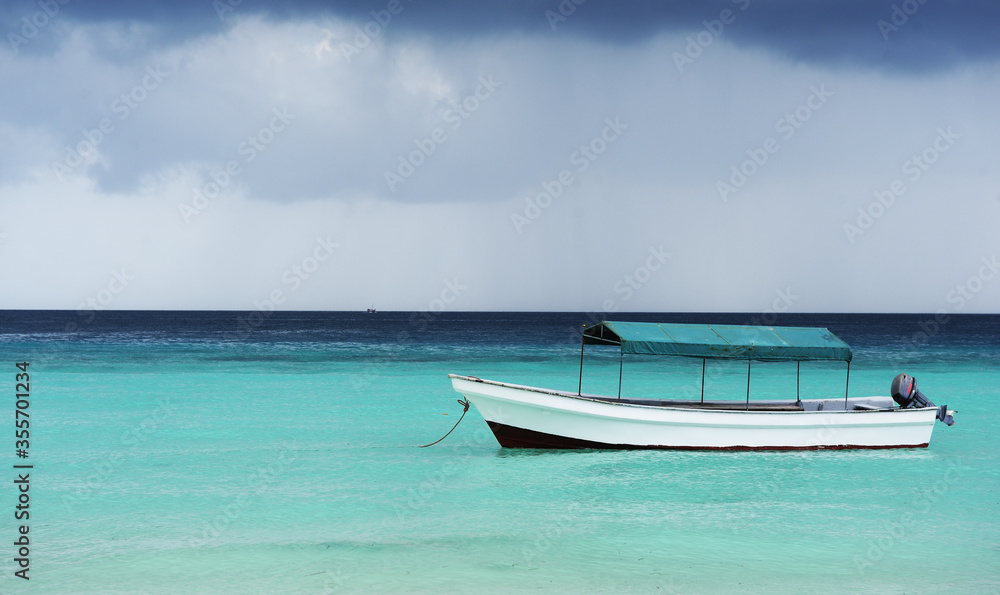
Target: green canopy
point(720, 341)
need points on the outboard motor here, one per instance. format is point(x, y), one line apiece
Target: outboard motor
point(904, 391)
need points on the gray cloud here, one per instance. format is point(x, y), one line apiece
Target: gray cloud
point(915, 35)
point(288, 138)
point(418, 119)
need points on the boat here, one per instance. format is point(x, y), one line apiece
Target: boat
point(533, 417)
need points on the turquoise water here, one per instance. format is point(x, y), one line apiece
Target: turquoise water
point(181, 460)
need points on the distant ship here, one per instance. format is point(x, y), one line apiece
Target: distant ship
point(372, 309)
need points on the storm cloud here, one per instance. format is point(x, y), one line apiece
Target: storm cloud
point(533, 152)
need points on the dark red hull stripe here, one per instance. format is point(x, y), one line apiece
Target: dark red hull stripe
point(511, 437)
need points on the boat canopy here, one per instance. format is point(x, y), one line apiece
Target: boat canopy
point(770, 343)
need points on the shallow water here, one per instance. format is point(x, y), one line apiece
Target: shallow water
point(182, 452)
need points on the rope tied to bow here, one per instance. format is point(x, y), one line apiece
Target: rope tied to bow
point(465, 408)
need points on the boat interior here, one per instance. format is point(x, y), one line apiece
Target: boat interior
point(853, 404)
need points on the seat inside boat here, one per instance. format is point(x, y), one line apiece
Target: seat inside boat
point(710, 405)
point(854, 404)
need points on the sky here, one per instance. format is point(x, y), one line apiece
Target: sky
point(522, 155)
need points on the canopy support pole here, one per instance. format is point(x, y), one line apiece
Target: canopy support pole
point(621, 358)
point(798, 367)
point(579, 389)
point(702, 380)
point(748, 385)
point(847, 385)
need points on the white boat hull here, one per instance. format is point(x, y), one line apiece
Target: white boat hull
point(529, 417)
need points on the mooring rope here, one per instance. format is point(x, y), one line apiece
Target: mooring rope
point(465, 407)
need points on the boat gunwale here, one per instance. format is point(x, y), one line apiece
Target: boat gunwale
point(609, 400)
